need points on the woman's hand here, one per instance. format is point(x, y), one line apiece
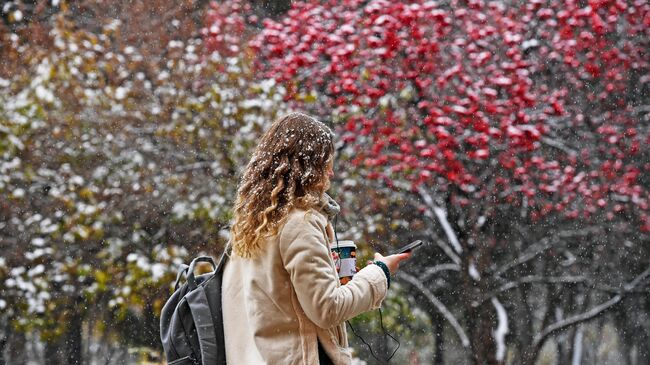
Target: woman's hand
point(392, 261)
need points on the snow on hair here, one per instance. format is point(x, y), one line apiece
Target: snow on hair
point(286, 170)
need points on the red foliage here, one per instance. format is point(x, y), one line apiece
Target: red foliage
point(536, 104)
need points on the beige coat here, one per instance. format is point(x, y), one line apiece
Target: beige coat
point(279, 303)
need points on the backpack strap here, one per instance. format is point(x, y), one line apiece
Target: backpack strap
point(179, 327)
point(211, 338)
point(223, 259)
point(202, 315)
point(218, 318)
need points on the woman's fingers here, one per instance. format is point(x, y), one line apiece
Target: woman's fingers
point(391, 261)
point(404, 256)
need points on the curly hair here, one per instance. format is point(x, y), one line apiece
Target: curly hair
point(287, 170)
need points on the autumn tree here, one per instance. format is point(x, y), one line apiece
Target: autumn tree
point(118, 161)
point(518, 130)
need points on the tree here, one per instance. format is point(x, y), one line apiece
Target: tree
point(518, 130)
point(118, 162)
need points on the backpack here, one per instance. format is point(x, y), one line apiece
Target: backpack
point(191, 322)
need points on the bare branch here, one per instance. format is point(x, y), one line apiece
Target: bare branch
point(438, 304)
point(445, 247)
point(450, 253)
point(590, 314)
point(438, 268)
point(558, 326)
point(559, 145)
point(537, 248)
point(586, 231)
point(434, 237)
point(533, 279)
point(553, 280)
point(631, 285)
point(546, 243)
point(441, 214)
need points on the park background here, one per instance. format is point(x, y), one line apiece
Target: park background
point(512, 136)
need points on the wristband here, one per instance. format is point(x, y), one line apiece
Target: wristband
point(385, 270)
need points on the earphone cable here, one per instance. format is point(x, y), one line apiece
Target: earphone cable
point(381, 323)
point(381, 318)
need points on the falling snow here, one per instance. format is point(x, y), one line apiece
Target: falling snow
point(512, 138)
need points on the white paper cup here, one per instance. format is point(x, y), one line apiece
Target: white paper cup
point(345, 254)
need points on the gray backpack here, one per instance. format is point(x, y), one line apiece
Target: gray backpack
point(191, 322)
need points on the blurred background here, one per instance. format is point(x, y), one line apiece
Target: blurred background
point(511, 136)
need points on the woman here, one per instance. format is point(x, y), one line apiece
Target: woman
point(282, 299)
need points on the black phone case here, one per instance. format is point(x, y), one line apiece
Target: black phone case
point(410, 247)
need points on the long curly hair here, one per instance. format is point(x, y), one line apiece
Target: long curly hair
point(287, 170)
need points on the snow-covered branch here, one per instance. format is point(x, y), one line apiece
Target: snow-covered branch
point(586, 231)
point(501, 330)
point(534, 279)
point(444, 247)
point(559, 145)
point(560, 325)
point(590, 314)
point(568, 279)
point(438, 304)
point(545, 244)
point(434, 237)
point(542, 279)
point(538, 248)
point(438, 268)
point(577, 347)
point(441, 214)
point(632, 284)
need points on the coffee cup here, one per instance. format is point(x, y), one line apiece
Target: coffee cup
point(345, 259)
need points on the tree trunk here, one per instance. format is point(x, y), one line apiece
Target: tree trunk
point(73, 342)
point(16, 346)
point(528, 327)
point(4, 339)
point(438, 340)
point(480, 321)
point(52, 352)
point(578, 343)
point(565, 346)
point(71, 345)
point(481, 338)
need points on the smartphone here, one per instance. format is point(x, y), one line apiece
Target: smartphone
point(410, 247)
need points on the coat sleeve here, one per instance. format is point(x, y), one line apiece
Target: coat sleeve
point(306, 257)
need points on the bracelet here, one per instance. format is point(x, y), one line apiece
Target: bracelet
point(385, 269)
